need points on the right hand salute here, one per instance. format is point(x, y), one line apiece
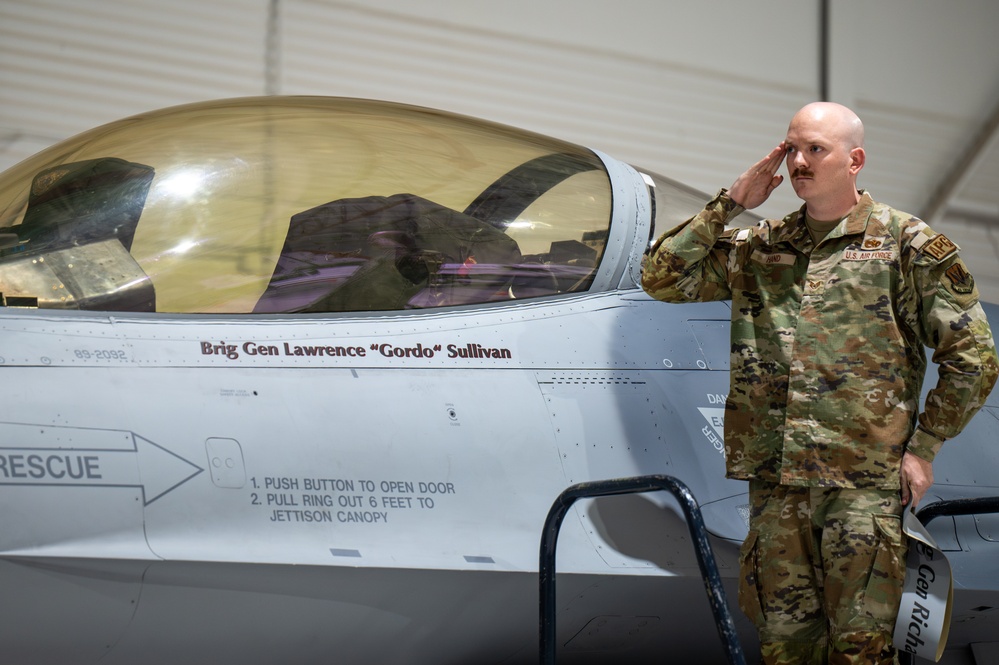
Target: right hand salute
point(753, 187)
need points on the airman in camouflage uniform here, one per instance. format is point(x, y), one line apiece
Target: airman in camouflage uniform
point(831, 309)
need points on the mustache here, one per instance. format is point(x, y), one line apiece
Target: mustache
point(802, 172)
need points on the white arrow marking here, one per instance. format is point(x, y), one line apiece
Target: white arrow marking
point(47, 456)
point(715, 418)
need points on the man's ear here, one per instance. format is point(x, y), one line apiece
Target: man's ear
point(857, 160)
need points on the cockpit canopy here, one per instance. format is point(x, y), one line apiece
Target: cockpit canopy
point(300, 204)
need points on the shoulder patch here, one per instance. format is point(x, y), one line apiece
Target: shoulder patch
point(940, 247)
point(961, 280)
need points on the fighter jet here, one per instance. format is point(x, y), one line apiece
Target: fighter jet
point(297, 380)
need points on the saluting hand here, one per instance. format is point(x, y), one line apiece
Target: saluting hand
point(753, 187)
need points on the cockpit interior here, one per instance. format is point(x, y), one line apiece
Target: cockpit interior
point(312, 205)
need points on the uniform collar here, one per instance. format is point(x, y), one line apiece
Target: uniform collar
point(795, 231)
point(856, 221)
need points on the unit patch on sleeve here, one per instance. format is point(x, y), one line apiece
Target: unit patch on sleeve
point(960, 279)
point(940, 247)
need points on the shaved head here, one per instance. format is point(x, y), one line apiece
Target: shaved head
point(838, 121)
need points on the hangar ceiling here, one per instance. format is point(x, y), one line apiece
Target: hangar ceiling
point(694, 91)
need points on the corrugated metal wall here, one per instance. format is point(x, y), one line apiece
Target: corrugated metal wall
point(615, 97)
point(66, 66)
point(695, 91)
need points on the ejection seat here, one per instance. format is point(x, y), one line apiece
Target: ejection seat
point(387, 253)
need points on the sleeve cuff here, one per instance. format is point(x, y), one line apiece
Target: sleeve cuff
point(924, 445)
point(723, 204)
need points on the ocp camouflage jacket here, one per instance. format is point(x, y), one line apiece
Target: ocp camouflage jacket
point(827, 357)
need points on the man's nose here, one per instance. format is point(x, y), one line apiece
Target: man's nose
point(798, 158)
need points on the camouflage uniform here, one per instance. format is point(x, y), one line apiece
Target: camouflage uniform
point(827, 364)
point(822, 573)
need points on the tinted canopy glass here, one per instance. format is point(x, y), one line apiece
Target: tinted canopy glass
point(300, 204)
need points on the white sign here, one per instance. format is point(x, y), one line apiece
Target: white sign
point(924, 615)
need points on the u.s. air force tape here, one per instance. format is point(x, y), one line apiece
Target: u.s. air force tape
point(924, 615)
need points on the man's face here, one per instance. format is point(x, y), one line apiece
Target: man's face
point(818, 160)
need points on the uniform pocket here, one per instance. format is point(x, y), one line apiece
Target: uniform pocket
point(884, 585)
point(749, 570)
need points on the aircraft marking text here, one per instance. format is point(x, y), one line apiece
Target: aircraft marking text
point(100, 354)
point(99, 458)
point(714, 431)
point(302, 516)
point(357, 501)
point(467, 351)
point(52, 467)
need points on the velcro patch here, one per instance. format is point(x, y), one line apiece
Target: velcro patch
point(940, 247)
point(919, 240)
point(775, 258)
point(960, 279)
point(874, 255)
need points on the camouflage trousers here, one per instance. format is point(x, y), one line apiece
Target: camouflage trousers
point(822, 572)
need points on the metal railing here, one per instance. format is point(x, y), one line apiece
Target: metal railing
point(699, 535)
point(702, 547)
point(955, 507)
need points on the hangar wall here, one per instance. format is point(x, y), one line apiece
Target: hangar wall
point(695, 91)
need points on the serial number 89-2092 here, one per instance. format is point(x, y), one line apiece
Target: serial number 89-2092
point(101, 354)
